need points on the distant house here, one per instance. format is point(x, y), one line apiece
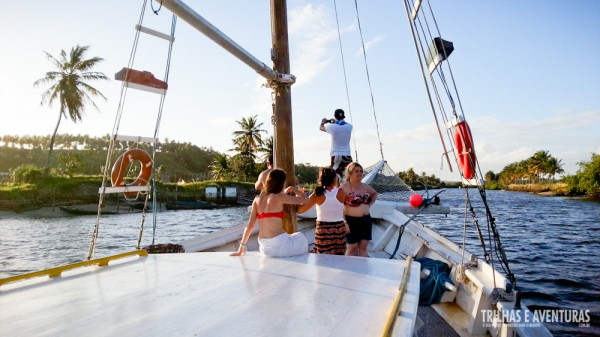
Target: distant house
point(523, 181)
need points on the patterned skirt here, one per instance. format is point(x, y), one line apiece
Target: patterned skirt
point(330, 238)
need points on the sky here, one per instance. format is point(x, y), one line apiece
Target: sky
point(526, 73)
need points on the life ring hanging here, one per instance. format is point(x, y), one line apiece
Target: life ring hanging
point(118, 170)
point(463, 139)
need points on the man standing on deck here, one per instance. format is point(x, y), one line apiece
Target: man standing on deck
point(340, 132)
point(262, 177)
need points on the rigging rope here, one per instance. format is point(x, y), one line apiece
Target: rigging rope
point(385, 180)
point(345, 78)
point(115, 131)
point(422, 31)
point(157, 127)
point(433, 286)
point(368, 77)
point(156, 10)
point(111, 144)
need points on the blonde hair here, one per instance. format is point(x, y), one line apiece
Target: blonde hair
point(349, 169)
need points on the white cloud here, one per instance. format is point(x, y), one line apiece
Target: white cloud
point(310, 28)
point(369, 45)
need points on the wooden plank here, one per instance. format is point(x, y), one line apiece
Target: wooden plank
point(155, 33)
point(136, 139)
point(145, 88)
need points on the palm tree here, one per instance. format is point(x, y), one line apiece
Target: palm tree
point(250, 133)
point(554, 167)
point(219, 169)
point(68, 86)
point(266, 148)
point(247, 141)
point(536, 163)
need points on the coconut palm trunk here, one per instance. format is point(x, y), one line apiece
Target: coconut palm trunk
point(48, 161)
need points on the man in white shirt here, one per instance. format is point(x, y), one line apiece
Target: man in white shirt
point(340, 132)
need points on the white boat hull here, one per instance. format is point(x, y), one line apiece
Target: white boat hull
point(463, 309)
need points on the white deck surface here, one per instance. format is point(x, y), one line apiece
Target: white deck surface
point(213, 294)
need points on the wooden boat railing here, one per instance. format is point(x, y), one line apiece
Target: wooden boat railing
point(57, 271)
point(395, 312)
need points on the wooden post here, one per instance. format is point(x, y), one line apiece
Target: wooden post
point(284, 144)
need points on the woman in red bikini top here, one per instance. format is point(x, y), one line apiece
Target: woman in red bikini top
point(267, 208)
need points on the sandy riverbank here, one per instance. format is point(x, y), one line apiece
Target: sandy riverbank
point(555, 189)
point(56, 212)
point(44, 212)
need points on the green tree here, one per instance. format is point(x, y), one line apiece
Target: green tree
point(247, 142)
point(409, 176)
point(26, 174)
point(537, 163)
point(587, 178)
point(266, 148)
point(69, 162)
point(219, 169)
point(412, 179)
point(307, 173)
point(250, 134)
point(553, 167)
point(490, 176)
point(68, 86)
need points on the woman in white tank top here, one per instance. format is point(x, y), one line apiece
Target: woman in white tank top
point(330, 232)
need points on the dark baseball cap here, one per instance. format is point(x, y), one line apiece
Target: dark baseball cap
point(339, 114)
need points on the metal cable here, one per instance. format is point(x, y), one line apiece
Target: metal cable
point(368, 77)
point(345, 78)
point(111, 144)
point(157, 128)
point(421, 23)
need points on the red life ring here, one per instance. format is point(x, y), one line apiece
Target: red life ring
point(465, 149)
point(117, 174)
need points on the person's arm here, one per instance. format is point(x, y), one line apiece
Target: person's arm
point(372, 192)
point(247, 231)
point(297, 199)
point(261, 180)
point(322, 127)
point(341, 195)
point(312, 200)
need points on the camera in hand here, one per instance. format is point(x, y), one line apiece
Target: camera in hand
point(326, 120)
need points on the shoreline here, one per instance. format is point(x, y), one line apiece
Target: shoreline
point(46, 212)
point(56, 212)
point(554, 189)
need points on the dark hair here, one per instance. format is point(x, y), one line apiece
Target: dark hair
point(339, 114)
point(270, 160)
point(275, 182)
point(326, 179)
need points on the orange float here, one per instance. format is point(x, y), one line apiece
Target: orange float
point(118, 173)
point(465, 149)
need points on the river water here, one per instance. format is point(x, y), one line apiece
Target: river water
point(552, 243)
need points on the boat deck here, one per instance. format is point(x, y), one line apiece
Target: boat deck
point(213, 294)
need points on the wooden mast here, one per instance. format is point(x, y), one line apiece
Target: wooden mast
point(283, 128)
point(278, 78)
